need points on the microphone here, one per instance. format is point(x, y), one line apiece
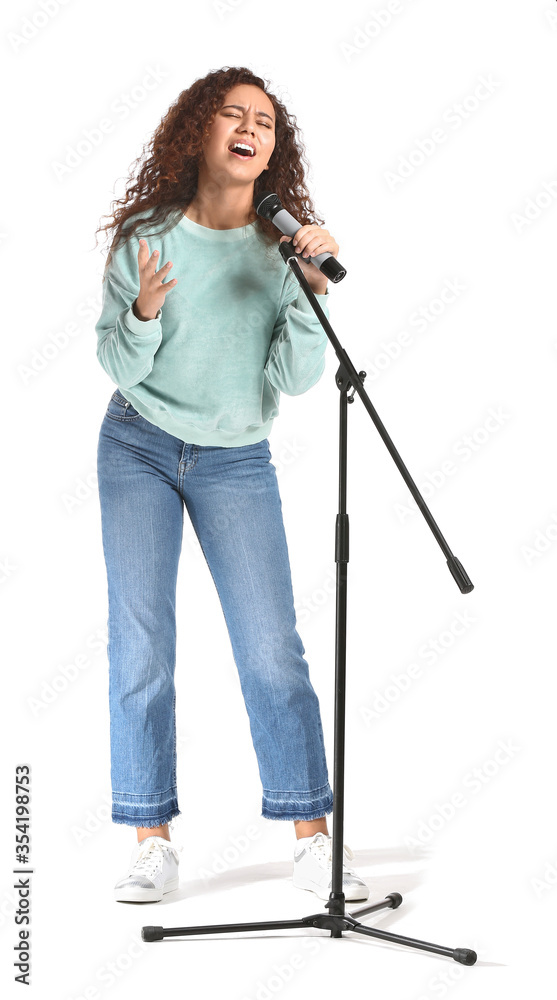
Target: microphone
point(268, 206)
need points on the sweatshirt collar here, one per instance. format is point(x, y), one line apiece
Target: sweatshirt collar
point(219, 235)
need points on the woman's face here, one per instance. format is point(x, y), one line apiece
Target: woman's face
point(250, 120)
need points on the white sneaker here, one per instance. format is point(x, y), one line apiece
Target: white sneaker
point(153, 871)
point(313, 868)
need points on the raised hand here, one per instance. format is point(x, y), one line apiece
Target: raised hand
point(152, 289)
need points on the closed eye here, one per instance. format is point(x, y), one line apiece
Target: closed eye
point(229, 115)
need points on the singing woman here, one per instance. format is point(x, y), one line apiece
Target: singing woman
point(202, 327)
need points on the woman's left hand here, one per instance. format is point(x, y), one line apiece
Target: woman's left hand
point(309, 241)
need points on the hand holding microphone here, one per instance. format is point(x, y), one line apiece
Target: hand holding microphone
point(308, 239)
point(306, 242)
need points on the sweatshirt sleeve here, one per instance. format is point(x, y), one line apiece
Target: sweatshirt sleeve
point(126, 345)
point(296, 356)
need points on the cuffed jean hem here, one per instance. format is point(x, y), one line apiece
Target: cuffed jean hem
point(145, 810)
point(297, 805)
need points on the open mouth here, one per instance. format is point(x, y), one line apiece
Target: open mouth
point(242, 150)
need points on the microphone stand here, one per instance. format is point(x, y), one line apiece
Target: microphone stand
point(337, 920)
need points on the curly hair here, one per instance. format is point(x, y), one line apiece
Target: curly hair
point(167, 181)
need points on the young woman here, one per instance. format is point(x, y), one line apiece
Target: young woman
point(199, 360)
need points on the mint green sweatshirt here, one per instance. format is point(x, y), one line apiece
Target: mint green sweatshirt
point(235, 332)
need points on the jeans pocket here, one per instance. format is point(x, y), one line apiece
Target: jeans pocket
point(120, 409)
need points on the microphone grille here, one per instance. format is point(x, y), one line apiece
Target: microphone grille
point(267, 204)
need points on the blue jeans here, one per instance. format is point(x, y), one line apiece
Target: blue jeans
point(145, 477)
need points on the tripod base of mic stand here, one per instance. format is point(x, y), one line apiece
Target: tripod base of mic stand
point(336, 922)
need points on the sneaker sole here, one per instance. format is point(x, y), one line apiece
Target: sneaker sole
point(136, 894)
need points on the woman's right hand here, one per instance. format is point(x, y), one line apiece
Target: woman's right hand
point(152, 291)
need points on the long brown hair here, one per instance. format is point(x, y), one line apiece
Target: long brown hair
point(167, 181)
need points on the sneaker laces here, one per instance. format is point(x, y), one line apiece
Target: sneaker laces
point(322, 847)
point(149, 856)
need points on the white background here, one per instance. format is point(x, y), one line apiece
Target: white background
point(478, 210)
